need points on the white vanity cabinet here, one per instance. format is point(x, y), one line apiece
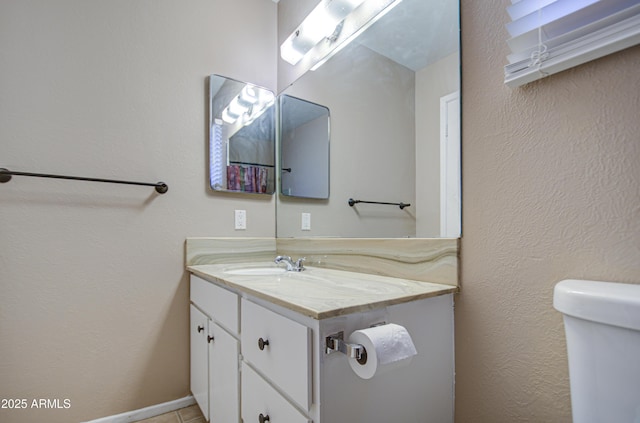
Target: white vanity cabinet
point(277, 364)
point(199, 358)
point(215, 350)
point(262, 403)
point(279, 349)
point(293, 379)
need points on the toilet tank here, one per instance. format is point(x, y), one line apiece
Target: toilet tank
point(602, 327)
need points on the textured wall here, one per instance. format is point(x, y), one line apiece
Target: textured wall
point(551, 190)
point(93, 293)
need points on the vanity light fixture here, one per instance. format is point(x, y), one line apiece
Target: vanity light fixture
point(330, 27)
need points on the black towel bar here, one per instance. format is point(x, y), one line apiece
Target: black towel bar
point(352, 202)
point(5, 176)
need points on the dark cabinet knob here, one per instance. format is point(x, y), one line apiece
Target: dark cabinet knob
point(262, 418)
point(200, 328)
point(261, 344)
point(210, 338)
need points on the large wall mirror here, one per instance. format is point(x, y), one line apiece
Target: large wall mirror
point(394, 96)
point(242, 135)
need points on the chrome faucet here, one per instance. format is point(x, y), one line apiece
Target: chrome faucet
point(291, 266)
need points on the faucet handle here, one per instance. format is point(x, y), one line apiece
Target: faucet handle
point(286, 260)
point(291, 266)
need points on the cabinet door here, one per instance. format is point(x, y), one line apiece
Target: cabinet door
point(279, 348)
point(199, 360)
point(224, 383)
point(218, 303)
point(259, 398)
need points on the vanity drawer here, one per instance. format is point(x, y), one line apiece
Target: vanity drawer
point(259, 398)
point(280, 349)
point(218, 303)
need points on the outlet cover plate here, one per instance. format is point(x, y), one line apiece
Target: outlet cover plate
point(240, 219)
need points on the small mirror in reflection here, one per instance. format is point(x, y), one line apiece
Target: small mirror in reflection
point(241, 137)
point(304, 148)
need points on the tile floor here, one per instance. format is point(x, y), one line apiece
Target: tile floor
point(190, 414)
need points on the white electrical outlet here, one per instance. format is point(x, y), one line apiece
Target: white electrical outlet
point(241, 219)
point(306, 221)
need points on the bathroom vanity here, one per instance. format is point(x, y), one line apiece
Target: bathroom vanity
point(259, 346)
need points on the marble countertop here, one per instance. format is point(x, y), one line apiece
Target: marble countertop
point(320, 292)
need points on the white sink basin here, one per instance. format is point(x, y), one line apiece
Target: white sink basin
point(256, 271)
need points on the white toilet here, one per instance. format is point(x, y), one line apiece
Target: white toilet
point(602, 327)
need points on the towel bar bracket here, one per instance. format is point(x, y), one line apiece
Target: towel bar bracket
point(4, 176)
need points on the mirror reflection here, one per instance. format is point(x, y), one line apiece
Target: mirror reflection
point(242, 137)
point(394, 98)
point(304, 148)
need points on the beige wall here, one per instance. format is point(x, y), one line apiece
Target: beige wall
point(93, 293)
point(551, 189)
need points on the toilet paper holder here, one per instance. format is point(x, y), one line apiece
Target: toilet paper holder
point(335, 343)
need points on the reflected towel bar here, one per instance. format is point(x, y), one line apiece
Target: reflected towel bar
point(250, 164)
point(352, 202)
point(5, 176)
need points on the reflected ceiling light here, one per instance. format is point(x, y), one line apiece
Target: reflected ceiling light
point(236, 108)
point(247, 106)
point(318, 25)
point(249, 94)
point(228, 117)
point(349, 29)
point(331, 25)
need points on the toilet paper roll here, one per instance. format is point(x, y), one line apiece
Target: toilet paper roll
point(385, 345)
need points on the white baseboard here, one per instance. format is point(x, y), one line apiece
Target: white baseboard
point(145, 413)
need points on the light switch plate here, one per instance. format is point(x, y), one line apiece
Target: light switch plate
point(306, 221)
point(241, 219)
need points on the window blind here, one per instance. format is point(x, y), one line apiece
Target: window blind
point(549, 36)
